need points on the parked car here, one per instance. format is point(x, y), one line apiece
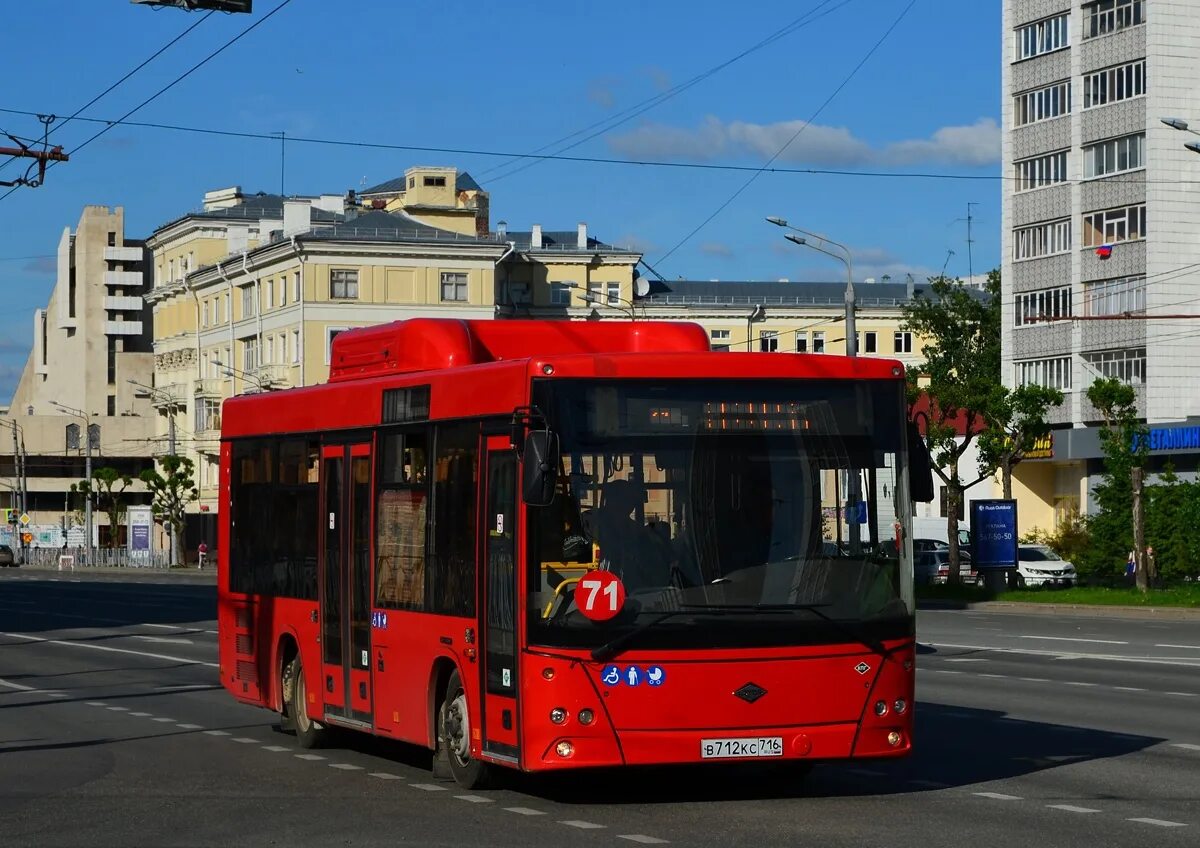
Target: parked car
point(1038, 565)
point(934, 567)
point(920, 545)
point(6, 557)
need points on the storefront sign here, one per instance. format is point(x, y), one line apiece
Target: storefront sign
point(1174, 438)
point(1043, 448)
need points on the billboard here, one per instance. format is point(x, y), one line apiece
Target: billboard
point(994, 534)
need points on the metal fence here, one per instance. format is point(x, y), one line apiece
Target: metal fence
point(101, 558)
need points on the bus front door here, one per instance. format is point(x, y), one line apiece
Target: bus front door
point(499, 615)
point(346, 582)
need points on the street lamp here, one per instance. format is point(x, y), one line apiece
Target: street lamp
point(87, 441)
point(843, 256)
point(597, 299)
point(1182, 125)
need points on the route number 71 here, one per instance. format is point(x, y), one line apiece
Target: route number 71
point(601, 595)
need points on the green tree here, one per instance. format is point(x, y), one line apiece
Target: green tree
point(172, 489)
point(106, 489)
point(961, 333)
point(1124, 440)
point(1016, 420)
point(1173, 525)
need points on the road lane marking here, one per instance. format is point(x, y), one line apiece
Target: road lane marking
point(184, 687)
point(20, 687)
point(1075, 683)
point(1158, 822)
point(245, 740)
point(642, 839)
point(312, 758)
point(1187, 746)
point(163, 641)
point(1035, 679)
point(72, 644)
point(186, 726)
point(982, 674)
point(163, 720)
point(143, 715)
point(1184, 647)
point(345, 766)
point(1129, 688)
point(383, 775)
point(428, 787)
point(523, 811)
point(475, 799)
point(216, 733)
point(96, 703)
point(997, 796)
point(1186, 662)
point(119, 709)
point(275, 749)
point(1074, 639)
point(966, 659)
point(55, 695)
point(1071, 808)
point(582, 825)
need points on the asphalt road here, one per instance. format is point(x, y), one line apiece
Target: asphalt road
point(1031, 730)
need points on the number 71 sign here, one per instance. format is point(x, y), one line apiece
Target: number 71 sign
point(600, 595)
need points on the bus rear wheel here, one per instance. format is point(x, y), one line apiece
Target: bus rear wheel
point(309, 733)
point(454, 736)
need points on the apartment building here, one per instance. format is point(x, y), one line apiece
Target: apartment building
point(1100, 224)
point(91, 345)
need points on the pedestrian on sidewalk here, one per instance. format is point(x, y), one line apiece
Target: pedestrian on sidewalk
point(203, 551)
point(1130, 568)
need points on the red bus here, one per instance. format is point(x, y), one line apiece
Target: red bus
point(550, 545)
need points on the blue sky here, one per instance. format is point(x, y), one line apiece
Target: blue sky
point(513, 77)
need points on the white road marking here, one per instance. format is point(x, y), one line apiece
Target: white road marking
point(1035, 679)
point(1183, 647)
point(163, 720)
point(582, 825)
point(383, 775)
point(1070, 808)
point(1129, 688)
point(345, 766)
point(942, 670)
point(1187, 746)
point(997, 796)
point(186, 726)
point(275, 749)
point(1073, 639)
point(965, 659)
point(55, 695)
point(981, 674)
point(72, 644)
point(183, 688)
point(475, 799)
point(143, 715)
point(524, 811)
point(1075, 683)
point(119, 709)
point(428, 787)
point(309, 757)
point(20, 687)
point(1158, 822)
point(642, 839)
point(96, 703)
point(1186, 662)
point(163, 641)
point(1182, 694)
point(216, 733)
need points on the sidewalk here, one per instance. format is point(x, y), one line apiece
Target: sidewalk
point(1077, 610)
point(208, 574)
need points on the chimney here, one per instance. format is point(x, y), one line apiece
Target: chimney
point(297, 217)
point(582, 241)
point(237, 238)
point(502, 231)
point(910, 287)
point(535, 238)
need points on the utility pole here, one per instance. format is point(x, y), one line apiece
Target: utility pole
point(24, 479)
point(1137, 478)
point(18, 498)
point(87, 501)
point(171, 450)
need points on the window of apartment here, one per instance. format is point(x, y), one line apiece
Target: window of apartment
point(1042, 104)
point(720, 340)
point(768, 341)
point(112, 354)
point(227, 361)
point(248, 301)
point(867, 342)
point(1114, 297)
point(1036, 306)
point(283, 290)
point(560, 294)
point(1053, 373)
point(295, 346)
point(296, 288)
point(1128, 223)
point(204, 313)
point(801, 341)
point(269, 350)
point(901, 342)
point(1128, 365)
point(170, 270)
point(1043, 239)
point(112, 405)
point(614, 294)
point(251, 354)
point(818, 341)
point(412, 182)
point(270, 293)
point(1112, 85)
point(1041, 171)
point(437, 182)
point(343, 283)
point(228, 312)
point(112, 239)
point(1115, 155)
point(454, 287)
point(330, 335)
point(208, 416)
point(1108, 16)
point(1042, 36)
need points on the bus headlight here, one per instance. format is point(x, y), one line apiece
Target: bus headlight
point(900, 706)
point(564, 749)
point(586, 716)
point(881, 708)
point(558, 715)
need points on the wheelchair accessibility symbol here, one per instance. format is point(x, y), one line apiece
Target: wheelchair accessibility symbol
point(611, 676)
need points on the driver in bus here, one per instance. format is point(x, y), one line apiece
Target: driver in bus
point(635, 552)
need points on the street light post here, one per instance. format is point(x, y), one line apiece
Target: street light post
point(19, 496)
point(87, 501)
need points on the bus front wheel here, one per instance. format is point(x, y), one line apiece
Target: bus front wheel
point(454, 736)
point(309, 733)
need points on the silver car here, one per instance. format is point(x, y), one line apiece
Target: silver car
point(1038, 565)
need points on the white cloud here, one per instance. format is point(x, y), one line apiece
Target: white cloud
point(974, 145)
point(717, 249)
point(601, 91)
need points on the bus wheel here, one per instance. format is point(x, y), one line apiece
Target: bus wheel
point(309, 733)
point(454, 736)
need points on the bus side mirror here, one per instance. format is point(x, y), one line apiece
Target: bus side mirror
point(539, 473)
point(920, 467)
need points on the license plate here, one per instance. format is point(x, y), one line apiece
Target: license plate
point(754, 746)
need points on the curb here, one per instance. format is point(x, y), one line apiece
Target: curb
point(1074, 610)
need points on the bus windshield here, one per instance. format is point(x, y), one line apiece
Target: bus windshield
point(775, 504)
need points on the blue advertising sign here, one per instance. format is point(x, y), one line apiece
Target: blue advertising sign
point(994, 534)
point(856, 512)
point(139, 540)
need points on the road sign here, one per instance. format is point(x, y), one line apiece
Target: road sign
point(25, 519)
point(27, 538)
point(10, 516)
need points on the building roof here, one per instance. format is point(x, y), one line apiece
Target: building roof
point(378, 225)
point(751, 293)
point(462, 182)
point(562, 240)
point(254, 207)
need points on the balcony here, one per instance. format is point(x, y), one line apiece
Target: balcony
point(268, 377)
point(127, 303)
point(210, 387)
point(122, 328)
point(123, 254)
point(127, 279)
point(167, 397)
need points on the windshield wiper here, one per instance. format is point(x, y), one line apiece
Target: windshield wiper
point(614, 646)
point(816, 609)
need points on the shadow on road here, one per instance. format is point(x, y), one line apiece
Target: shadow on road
point(36, 606)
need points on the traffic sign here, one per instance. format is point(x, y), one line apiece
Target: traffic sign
point(10, 516)
point(27, 538)
point(25, 519)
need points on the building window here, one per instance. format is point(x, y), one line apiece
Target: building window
point(1115, 155)
point(270, 293)
point(247, 301)
point(720, 340)
point(454, 287)
point(867, 342)
point(614, 294)
point(228, 313)
point(204, 314)
point(1044, 36)
point(412, 182)
point(818, 341)
point(1041, 171)
point(1128, 366)
point(295, 346)
point(112, 405)
point(801, 342)
point(208, 415)
point(343, 283)
point(1042, 104)
point(296, 288)
point(1036, 306)
point(1112, 85)
point(1114, 225)
point(1108, 16)
point(560, 294)
point(251, 354)
point(436, 182)
point(283, 290)
point(1042, 240)
point(1053, 373)
point(901, 342)
point(330, 335)
point(1114, 297)
point(112, 239)
point(768, 341)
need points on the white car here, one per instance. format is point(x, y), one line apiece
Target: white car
point(1038, 565)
